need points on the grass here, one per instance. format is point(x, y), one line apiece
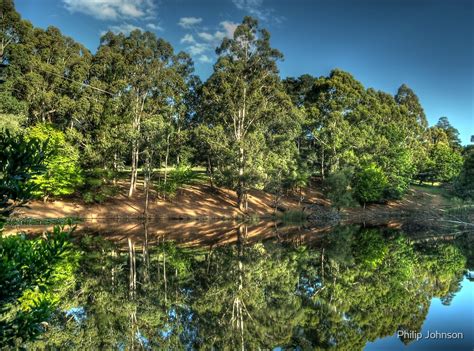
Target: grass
point(43, 221)
point(443, 193)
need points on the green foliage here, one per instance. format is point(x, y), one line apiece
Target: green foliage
point(97, 186)
point(443, 160)
point(177, 178)
point(464, 183)
point(35, 274)
point(20, 160)
point(63, 174)
point(338, 188)
point(244, 101)
point(135, 102)
point(370, 183)
point(11, 122)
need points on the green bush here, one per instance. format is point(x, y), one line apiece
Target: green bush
point(63, 174)
point(97, 186)
point(177, 178)
point(370, 183)
point(338, 189)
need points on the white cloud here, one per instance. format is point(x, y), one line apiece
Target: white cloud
point(188, 22)
point(204, 59)
point(203, 44)
point(253, 7)
point(229, 28)
point(112, 9)
point(217, 36)
point(256, 9)
point(124, 28)
point(154, 27)
point(198, 48)
point(187, 39)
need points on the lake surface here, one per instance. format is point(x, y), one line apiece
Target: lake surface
point(233, 286)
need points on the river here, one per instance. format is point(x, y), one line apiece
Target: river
point(265, 286)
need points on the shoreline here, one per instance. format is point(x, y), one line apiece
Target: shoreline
point(200, 203)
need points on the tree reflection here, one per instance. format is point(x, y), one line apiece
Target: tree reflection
point(356, 285)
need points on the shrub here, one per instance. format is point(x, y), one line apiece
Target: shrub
point(338, 189)
point(370, 184)
point(177, 178)
point(97, 187)
point(63, 174)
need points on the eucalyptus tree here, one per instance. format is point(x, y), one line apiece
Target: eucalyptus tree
point(50, 71)
point(464, 184)
point(332, 105)
point(14, 32)
point(443, 153)
point(12, 28)
point(244, 97)
point(146, 79)
point(407, 97)
point(451, 133)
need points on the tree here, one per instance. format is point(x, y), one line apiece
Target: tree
point(244, 97)
point(406, 97)
point(464, 183)
point(63, 174)
point(451, 133)
point(338, 188)
point(444, 160)
point(332, 107)
point(146, 79)
point(370, 184)
point(12, 28)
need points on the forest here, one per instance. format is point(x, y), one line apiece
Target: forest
point(135, 111)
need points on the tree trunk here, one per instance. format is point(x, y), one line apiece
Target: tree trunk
point(210, 171)
point(115, 169)
point(147, 192)
point(322, 163)
point(133, 172)
point(166, 162)
point(241, 186)
point(136, 126)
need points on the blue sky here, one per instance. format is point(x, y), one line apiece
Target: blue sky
point(427, 44)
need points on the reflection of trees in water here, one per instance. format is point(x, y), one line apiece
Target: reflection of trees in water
point(358, 285)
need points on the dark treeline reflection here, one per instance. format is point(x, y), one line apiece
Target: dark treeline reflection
point(352, 286)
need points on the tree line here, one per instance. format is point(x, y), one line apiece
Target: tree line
point(137, 105)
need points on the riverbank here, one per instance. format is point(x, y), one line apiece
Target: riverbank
point(200, 201)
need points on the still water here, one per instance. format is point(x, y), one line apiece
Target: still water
point(230, 286)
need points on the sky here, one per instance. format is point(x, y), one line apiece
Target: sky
point(426, 44)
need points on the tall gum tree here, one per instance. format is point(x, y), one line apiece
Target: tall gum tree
point(244, 96)
point(142, 72)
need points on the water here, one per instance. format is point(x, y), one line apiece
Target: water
point(199, 285)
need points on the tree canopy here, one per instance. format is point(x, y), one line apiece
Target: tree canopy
point(135, 105)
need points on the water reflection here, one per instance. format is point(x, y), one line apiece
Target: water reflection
point(244, 288)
